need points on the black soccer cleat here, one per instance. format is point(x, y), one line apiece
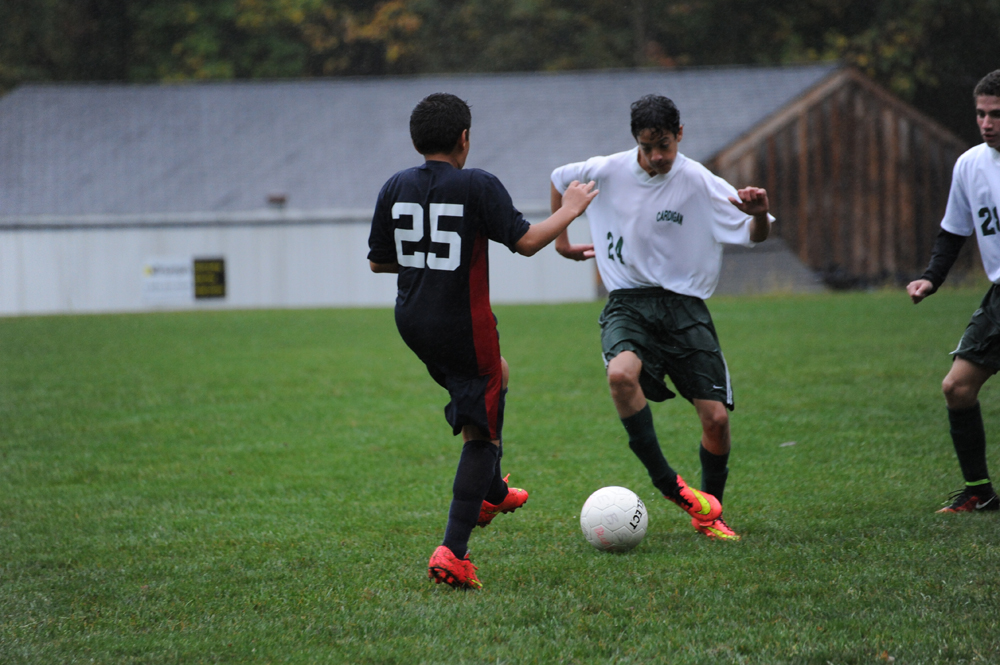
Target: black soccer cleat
point(969, 500)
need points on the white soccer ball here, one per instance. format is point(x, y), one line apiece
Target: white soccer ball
point(614, 519)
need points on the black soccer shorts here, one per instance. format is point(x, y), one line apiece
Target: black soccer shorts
point(980, 344)
point(674, 336)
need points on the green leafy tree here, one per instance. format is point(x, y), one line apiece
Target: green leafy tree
point(63, 40)
point(153, 40)
point(271, 38)
point(930, 52)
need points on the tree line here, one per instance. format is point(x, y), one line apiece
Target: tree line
point(929, 52)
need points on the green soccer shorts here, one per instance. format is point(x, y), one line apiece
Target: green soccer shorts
point(674, 336)
point(980, 344)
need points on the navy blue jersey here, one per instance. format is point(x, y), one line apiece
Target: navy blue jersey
point(435, 221)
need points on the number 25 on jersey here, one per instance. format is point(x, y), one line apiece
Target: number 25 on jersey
point(416, 233)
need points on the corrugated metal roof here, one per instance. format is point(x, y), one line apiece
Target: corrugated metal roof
point(96, 149)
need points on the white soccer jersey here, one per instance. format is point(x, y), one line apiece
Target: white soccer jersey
point(973, 201)
point(662, 230)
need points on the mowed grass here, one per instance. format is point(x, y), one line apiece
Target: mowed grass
point(266, 487)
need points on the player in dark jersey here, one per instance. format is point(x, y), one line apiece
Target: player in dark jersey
point(432, 225)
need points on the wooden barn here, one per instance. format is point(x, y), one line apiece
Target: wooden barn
point(859, 179)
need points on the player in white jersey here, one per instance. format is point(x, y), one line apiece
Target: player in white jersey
point(658, 227)
point(972, 209)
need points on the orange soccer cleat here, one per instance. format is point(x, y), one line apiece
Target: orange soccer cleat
point(700, 505)
point(969, 500)
point(514, 500)
point(445, 567)
point(717, 529)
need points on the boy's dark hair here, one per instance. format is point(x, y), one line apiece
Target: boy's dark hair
point(988, 85)
point(657, 113)
point(437, 123)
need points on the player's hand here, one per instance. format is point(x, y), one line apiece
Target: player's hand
point(919, 289)
point(577, 197)
point(752, 201)
point(576, 252)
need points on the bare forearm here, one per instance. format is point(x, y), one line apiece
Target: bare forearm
point(383, 267)
point(562, 242)
point(753, 201)
point(760, 228)
point(555, 198)
point(541, 234)
point(555, 202)
point(565, 208)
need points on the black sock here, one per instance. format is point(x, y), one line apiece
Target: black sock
point(643, 442)
point(498, 488)
point(969, 437)
point(983, 490)
point(472, 479)
point(713, 472)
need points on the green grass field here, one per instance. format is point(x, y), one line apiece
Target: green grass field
point(266, 487)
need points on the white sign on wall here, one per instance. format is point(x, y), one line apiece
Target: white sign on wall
point(168, 281)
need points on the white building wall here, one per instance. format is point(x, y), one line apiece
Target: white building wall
point(93, 266)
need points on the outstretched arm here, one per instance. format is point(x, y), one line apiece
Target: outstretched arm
point(753, 201)
point(573, 203)
point(563, 245)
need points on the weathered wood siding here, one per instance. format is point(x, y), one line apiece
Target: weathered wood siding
point(857, 179)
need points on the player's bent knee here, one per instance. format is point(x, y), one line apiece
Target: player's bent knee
point(473, 433)
point(716, 423)
point(714, 417)
point(958, 394)
point(954, 387)
point(622, 380)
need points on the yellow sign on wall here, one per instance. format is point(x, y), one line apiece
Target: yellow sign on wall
point(210, 278)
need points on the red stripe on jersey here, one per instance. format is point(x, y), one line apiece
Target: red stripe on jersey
point(484, 329)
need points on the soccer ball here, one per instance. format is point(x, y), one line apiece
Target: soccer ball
point(614, 519)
